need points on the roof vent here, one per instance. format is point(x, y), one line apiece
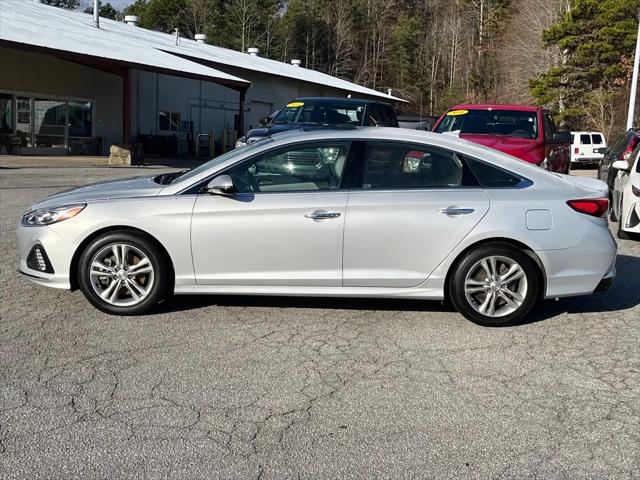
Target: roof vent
point(253, 51)
point(200, 37)
point(389, 92)
point(131, 20)
point(177, 35)
point(296, 63)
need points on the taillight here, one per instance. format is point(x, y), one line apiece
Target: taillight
point(629, 150)
point(596, 207)
point(576, 150)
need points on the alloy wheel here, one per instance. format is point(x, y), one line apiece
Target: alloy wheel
point(121, 274)
point(496, 286)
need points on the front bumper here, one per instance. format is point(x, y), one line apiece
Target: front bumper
point(58, 249)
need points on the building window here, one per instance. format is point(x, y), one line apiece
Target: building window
point(6, 113)
point(169, 121)
point(80, 119)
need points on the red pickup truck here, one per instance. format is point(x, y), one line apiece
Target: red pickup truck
point(526, 132)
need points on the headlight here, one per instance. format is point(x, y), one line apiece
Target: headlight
point(48, 216)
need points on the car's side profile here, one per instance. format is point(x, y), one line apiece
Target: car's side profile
point(625, 195)
point(383, 213)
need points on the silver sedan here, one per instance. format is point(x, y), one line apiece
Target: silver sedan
point(368, 213)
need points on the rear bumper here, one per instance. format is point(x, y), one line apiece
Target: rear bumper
point(582, 269)
point(607, 282)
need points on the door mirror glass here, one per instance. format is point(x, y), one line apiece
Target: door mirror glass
point(620, 165)
point(221, 185)
point(561, 137)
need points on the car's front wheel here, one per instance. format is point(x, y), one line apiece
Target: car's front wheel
point(495, 285)
point(122, 273)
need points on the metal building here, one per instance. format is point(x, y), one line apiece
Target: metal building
point(68, 86)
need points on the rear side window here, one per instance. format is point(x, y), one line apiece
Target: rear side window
point(597, 138)
point(585, 139)
point(405, 166)
point(493, 177)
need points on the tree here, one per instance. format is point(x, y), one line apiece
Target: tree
point(106, 11)
point(68, 4)
point(596, 38)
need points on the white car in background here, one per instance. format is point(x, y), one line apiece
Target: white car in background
point(625, 203)
point(587, 147)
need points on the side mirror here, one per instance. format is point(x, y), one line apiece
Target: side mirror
point(560, 137)
point(263, 121)
point(221, 185)
point(620, 165)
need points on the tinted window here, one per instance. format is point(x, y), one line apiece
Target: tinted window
point(492, 177)
point(549, 125)
point(334, 113)
point(395, 165)
point(381, 116)
point(296, 168)
point(597, 138)
point(585, 139)
point(491, 122)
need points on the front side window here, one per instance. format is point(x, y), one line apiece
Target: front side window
point(401, 166)
point(293, 169)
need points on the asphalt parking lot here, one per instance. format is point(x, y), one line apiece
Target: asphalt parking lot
point(279, 388)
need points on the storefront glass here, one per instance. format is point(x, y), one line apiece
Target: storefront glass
point(50, 122)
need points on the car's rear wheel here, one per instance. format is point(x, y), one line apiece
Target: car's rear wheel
point(495, 285)
point(122, 273)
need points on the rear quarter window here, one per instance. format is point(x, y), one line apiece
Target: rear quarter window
point(490, 176)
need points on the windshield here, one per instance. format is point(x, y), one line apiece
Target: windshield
point(326, 113)
point(188, 174)
point(512, 123)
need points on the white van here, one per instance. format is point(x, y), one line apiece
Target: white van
point(587, 147)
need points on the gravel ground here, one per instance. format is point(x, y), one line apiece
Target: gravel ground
point(279, 388)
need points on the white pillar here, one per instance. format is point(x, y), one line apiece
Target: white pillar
point(634, 82)
point(96, 13)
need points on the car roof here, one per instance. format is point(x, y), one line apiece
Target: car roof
point(495, 106)
point(385, 134)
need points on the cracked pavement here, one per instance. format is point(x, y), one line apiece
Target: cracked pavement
point(294, 388)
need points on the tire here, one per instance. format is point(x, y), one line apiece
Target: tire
point(129, 287)
point(512, 301)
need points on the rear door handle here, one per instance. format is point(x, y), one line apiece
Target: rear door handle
point(454, 211)
point(322, 215)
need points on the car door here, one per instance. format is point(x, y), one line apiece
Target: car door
point(413, 205)
point(283, 225)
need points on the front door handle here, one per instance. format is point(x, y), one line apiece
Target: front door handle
point(322, 215)
point(454, 211)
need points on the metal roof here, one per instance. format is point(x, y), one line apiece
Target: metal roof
point(32, 23)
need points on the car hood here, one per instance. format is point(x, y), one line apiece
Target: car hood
point(521, 148)
point(273, 129)
point(123, 188)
